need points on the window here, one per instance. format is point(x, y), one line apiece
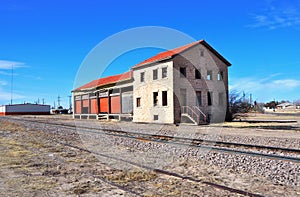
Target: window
point(164, 72)
point(209, 98)
point(198, 98)
point(197, 74)
point(142, 76)
point(155, 74)
point(209, 75)
point(201, 52)
point(155, 117)
point(138, 102)
point(155, 98)
point(182, 72)
point(183, 97)
point(220, 76)
point(164, 98)
point(221, 98)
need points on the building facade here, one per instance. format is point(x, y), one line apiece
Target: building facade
point(186, 84)
point(24, 109)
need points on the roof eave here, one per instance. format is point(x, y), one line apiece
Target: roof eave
point(146, 64)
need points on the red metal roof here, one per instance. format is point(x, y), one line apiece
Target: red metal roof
point(106, 81)
point(160, 56)
point(168, 53)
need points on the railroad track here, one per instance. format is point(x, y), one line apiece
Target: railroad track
point(159, 171)
point(218, 146)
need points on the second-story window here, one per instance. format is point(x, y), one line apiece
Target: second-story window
point(155, 74)
point(220, 76)
point(197, 74)
point(164, 72)
point(142, 76)
point(209, 75)
point(182, 72)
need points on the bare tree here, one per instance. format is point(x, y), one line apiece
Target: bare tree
point(238, 106)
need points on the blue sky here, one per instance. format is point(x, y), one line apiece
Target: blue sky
point(47, 41)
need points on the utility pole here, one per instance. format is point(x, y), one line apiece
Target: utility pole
point(58, 101)
point(43, 101)
point(70, 103)
point(12, 82)
point(251, 99)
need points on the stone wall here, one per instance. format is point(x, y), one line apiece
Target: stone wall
point(199, 57)
point(144, 90)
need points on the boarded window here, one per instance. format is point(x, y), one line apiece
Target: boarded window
point(198, 98)
point(164, 72)
point(164, 98)
point(201, 52)
point(138, 102)
point(209, 75)
point(221, 98)
point(183, 97)
point(209, 98)
point(155, 98)
point(142, 77)
point(182, 72)
point(155, 74)
point(197, 74)
point(127, 102)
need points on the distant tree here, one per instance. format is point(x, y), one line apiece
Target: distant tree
point(272, 104)
point(238, 106)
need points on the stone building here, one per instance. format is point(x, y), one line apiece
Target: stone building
point(186, 84)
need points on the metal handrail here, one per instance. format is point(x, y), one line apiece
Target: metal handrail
point(191, 111)
point(201, 112)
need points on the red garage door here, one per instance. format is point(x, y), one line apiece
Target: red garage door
point(115, 104)
point(78, 107)
point(104, 105)
point(94, 106)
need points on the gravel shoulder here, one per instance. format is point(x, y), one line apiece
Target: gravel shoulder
point(33, 165)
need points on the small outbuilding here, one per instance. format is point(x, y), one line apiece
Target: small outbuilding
point(285, 105)
point(24, 109)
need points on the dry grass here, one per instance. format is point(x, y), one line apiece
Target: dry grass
point(11, 126)
point(132, 175)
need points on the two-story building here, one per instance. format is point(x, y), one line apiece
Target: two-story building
point(186, 84)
